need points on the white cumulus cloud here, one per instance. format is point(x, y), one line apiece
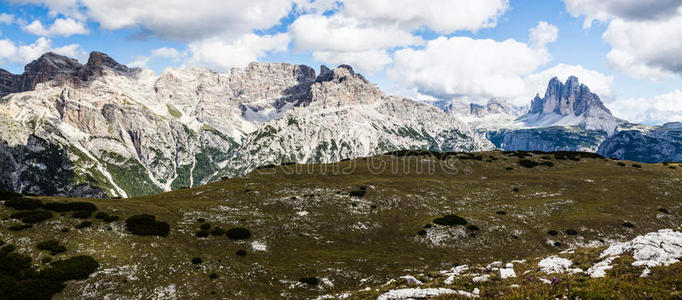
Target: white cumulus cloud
point(339, 39)
point(6, 18)
point(654, 111)
point(217, 54)
point(476, 69)
point(639, 10)
point(442, 16)
point(60, 27)
point(11, 52)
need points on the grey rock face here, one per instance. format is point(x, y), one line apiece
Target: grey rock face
point(547, 139)
point(570, 104)
point(650, 145)
point(109, 130)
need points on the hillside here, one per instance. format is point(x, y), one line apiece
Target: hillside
point(356, 224)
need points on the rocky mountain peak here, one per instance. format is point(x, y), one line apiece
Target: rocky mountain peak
point(339, 74)
point(569, 98)
point(52, 63)
point(342, 86)
point(570, 104)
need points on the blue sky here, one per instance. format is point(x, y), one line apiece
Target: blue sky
point(402, 45)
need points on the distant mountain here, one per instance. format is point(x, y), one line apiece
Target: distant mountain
point(570, 104)
point(645, 144)
point(569, 118)
point(103, 129)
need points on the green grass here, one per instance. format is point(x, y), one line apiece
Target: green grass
point(346, 239)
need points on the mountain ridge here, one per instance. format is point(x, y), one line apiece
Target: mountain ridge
point(126, 132)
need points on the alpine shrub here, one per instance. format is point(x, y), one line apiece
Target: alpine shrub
point(622, 164)
point(7, 195)
point(310, 280)
point(636, 166)
point(146, 225)
point(552, 232)
point(547, 163)
point(85, 224)
point(197, 260)
point(357, 193)
point(241, 252)
point(70, 206)
point(23, 203)
point(628, 225)
point(663, 210)
point(213, 275)
point(421, 232)
point(81, 214)
point(202, 233)
point(52, 245)
point(238, 233)
point(571, 232)
point(502, 213)
point(205, 226)
point(427, 226)
point(32, 216)
point(20, 227)
point(473, 228)
point(217, 231)
point(450, 220)
point(528, 163)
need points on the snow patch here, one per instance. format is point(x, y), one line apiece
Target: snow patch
point(418, 293)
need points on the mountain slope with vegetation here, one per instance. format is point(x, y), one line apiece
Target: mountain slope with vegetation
point(302, 231)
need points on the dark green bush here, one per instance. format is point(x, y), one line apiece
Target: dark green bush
point(663, 210)
point(70, 206)
point(547, 163)
point(421, 232)
point(357, 193)
point(46, 259)
point(52, 245)
point(427, 226)
point(628, 225)
point(450, 220)
point(516, 189)
point(101, 215)
point(202, 233)
point(501, 212)
point(310, 280)
point(20, 227)
point(197, 260)
point(636, 166)
point(110, 219)
point(473, 228)
point(552, 232)
point(509, 168)
point(622, 164)
point(65, 230)
point(32, 216)
point(24, 203)
point(213, 275)
point(7, 195)
point(528, 163)
point(146, 225)
point(241, 252)
point(19, 280)
point(85, 224)
point(78, 267)
point(238, 233)
point(81, 214)
point(571, 232)
point(205, 226)
point(217, 231)
point(201, 220)
point(557, 244)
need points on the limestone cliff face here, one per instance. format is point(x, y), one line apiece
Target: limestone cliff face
point(570, 104)
point(104, 129)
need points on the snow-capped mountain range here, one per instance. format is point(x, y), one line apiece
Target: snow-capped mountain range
point(103, 129)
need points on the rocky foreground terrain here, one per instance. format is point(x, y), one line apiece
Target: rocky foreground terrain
point(488, 224)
